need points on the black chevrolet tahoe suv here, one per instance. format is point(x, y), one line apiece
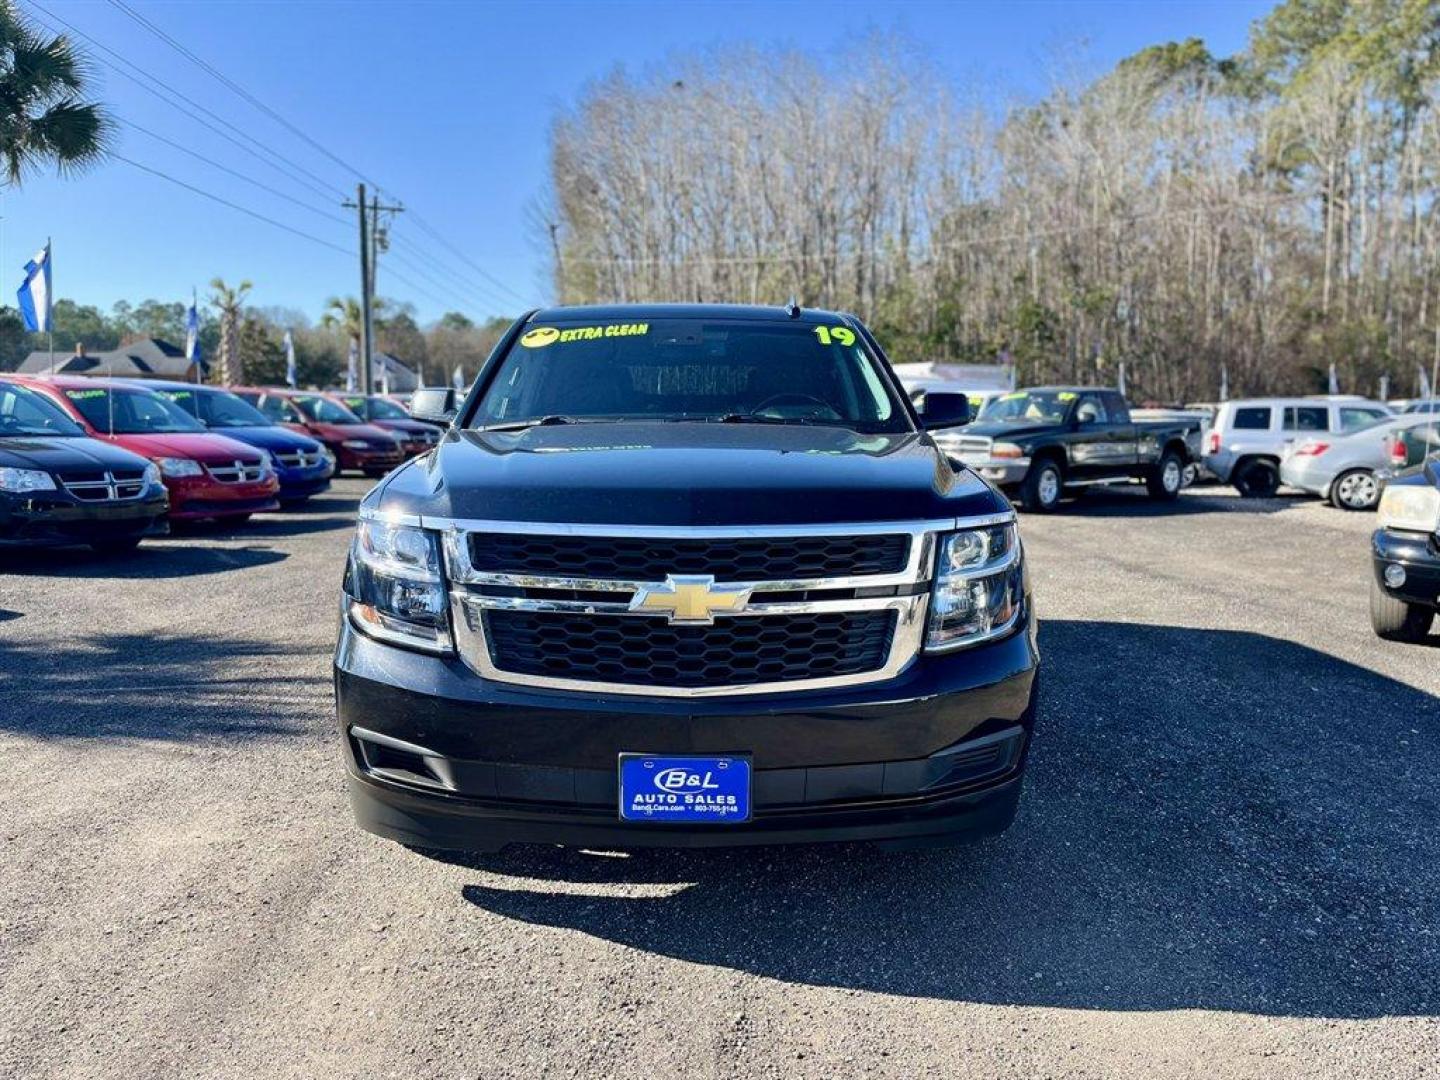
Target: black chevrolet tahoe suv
point(689, 576)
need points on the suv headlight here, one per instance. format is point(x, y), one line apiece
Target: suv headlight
point(152, 475)
point(1411, 507)
point(179, 466)
point(19, 481)
point(395, 586)
point(979, 587)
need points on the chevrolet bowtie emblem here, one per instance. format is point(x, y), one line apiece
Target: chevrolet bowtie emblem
point(690, 598)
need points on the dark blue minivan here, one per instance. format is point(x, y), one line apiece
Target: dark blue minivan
point(303, 465)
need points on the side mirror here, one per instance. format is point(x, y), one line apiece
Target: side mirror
point(434, 405)
point(944, 409)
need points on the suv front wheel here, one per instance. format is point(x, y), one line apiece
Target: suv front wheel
point(1395, 620)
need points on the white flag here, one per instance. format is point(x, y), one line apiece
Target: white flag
point(1122, 379)
point(289, 359)
point(1334, 381)
point(1424, 383)
point(458, 377)
point(352, 366)
point(1224, 384)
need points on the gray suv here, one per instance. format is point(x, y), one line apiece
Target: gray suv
point(1248, 438)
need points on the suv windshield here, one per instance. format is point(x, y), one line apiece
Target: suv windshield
point(131, 412)
point(377, 408)
point(218, 408)
point(1030, 407)
point(25, 412)
point(325, 411)
point(729, 370)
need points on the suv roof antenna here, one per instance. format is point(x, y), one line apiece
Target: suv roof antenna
point(792, 307)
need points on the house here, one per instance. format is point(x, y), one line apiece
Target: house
point(148, 358)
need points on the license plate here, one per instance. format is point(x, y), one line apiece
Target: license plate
point(689, 790)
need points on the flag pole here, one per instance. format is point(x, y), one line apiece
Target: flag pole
point(49, 307)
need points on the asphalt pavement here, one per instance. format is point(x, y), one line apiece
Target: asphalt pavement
point(1226, 863)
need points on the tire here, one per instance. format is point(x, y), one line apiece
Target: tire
point(1167, 478)
point(235, 519)
point(1395, 620)
point(1044, 483)
point(118, 546)
point(1258, 479)
point(1356, 489)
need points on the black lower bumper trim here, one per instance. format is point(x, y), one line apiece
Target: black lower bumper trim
point(427, 822)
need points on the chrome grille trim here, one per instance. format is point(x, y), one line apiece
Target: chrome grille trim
point(300, 460)
point(240, 472)
point(109, 489)
point(468, 607)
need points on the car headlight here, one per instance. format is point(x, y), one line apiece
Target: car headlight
point(355, 444)
point(152, 475)
point(179, 466)
point(1007, 450)
point(1411, 507)
point(395, 586)
point(979, 587)
point(19, 481)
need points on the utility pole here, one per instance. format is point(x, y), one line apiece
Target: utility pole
point(369, 220)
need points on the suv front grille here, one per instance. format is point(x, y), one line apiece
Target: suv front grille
point(105, 486)
point(642, 651)
point(299, 459)
point(640, 558)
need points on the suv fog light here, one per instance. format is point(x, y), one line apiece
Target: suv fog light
point(1394, 575)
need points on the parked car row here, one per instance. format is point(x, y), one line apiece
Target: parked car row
point(108, 462)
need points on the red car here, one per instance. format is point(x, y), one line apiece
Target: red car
point(415, 437)
point(357, 446)
point(207, 475)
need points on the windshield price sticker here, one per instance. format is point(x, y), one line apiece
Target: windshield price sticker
point(840, 335)
point(84, 395)
point(550, 335)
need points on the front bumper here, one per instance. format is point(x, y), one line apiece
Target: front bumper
point(193, 498)
point(1305, 473)
point(374, 459)
point(933, 754)
point(45, 519)
point(303, 483)
point(1419, 555)
point(1002, 472)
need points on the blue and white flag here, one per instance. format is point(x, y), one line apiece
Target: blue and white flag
point(192, 331)
point(289, 344)
point(34, 294)
point(352, 366)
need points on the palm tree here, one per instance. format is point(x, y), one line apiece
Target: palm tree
point(343, 314)
point(230, 302)
point(42, 117)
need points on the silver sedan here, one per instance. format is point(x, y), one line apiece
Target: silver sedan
point(1341, 467)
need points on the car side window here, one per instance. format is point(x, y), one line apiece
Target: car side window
point(1117, 408)
point(1251, 419)
point(1307, 418)
point(1090, 410)
point(274, 408)
point(1353, 418)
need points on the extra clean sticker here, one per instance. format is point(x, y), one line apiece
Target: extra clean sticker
point(541, 336)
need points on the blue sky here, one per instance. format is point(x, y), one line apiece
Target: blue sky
point(447, 105)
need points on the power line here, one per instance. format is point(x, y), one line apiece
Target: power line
point(445, 243)
point(298, 173)
point(457, 292)
point(295, 130)
point(232, 205)
point(239, 175)
point(236, 88)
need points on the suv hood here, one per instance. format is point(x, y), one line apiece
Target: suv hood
point(62, 453)
point(376, 437)
point(685, 474)
point(271, 438)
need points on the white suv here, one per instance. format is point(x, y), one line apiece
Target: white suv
point(1247, 438)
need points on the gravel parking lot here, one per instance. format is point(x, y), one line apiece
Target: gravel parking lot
point(1226, 863)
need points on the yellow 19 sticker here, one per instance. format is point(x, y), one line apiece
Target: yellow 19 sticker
point(841, 335)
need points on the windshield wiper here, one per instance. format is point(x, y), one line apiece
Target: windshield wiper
point(761, 418)
point(543, 421)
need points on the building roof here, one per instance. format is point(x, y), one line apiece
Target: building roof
point(146, 358)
